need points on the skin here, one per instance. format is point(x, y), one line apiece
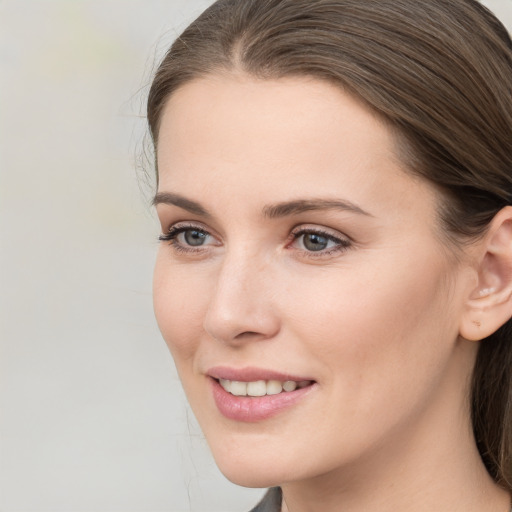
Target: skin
point(374, 318)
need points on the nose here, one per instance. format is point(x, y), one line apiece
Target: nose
point(241, 306)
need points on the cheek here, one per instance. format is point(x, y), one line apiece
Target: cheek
point(371, 322)
point(381, 341)
point(180, 304)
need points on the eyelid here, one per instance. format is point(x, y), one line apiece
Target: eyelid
point(330, 233)
point(185, 225)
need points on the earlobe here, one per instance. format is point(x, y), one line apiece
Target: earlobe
point(489, 304)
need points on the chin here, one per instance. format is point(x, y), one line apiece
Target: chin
point(251, 468)
point(256, 476)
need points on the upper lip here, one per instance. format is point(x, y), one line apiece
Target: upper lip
point(252, 374)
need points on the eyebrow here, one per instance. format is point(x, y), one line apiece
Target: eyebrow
point(180, 202)
point(306, 205)
point(272, 211)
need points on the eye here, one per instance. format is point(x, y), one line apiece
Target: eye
point(314, 241)
point(193, 237)
point(188, 238)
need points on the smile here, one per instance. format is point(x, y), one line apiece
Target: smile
point(259, 399)
point(262, 387)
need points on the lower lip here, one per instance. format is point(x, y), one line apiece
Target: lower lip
point(252, 409)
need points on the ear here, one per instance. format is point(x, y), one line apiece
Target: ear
point(489, 304)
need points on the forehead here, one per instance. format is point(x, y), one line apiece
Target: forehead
point(245, 106)
point(219, 114)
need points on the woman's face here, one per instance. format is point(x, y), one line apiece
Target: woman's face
point(299, 250)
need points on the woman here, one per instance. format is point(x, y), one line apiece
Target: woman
point(335, 275)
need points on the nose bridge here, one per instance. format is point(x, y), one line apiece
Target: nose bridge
point(241, 301)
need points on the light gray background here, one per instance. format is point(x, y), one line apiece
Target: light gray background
point(93, 418)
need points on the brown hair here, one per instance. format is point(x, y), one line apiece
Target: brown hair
point(438, 71)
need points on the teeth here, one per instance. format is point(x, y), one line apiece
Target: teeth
point(238, 388)
point(290, 385)
point(261, 387)
point(226, 384)
point(274, 387)
point(258, 388)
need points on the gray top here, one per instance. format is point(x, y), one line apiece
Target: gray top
point(271, 502)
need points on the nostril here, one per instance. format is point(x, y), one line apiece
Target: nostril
point(247, 334)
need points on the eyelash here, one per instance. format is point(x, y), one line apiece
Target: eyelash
point(342, 244)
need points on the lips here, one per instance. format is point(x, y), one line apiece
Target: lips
point(253, 394)
point(250, 374)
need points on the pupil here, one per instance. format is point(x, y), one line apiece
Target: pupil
point(314, 242)
point(194, 237)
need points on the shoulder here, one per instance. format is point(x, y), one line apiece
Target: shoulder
point(271, 502)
